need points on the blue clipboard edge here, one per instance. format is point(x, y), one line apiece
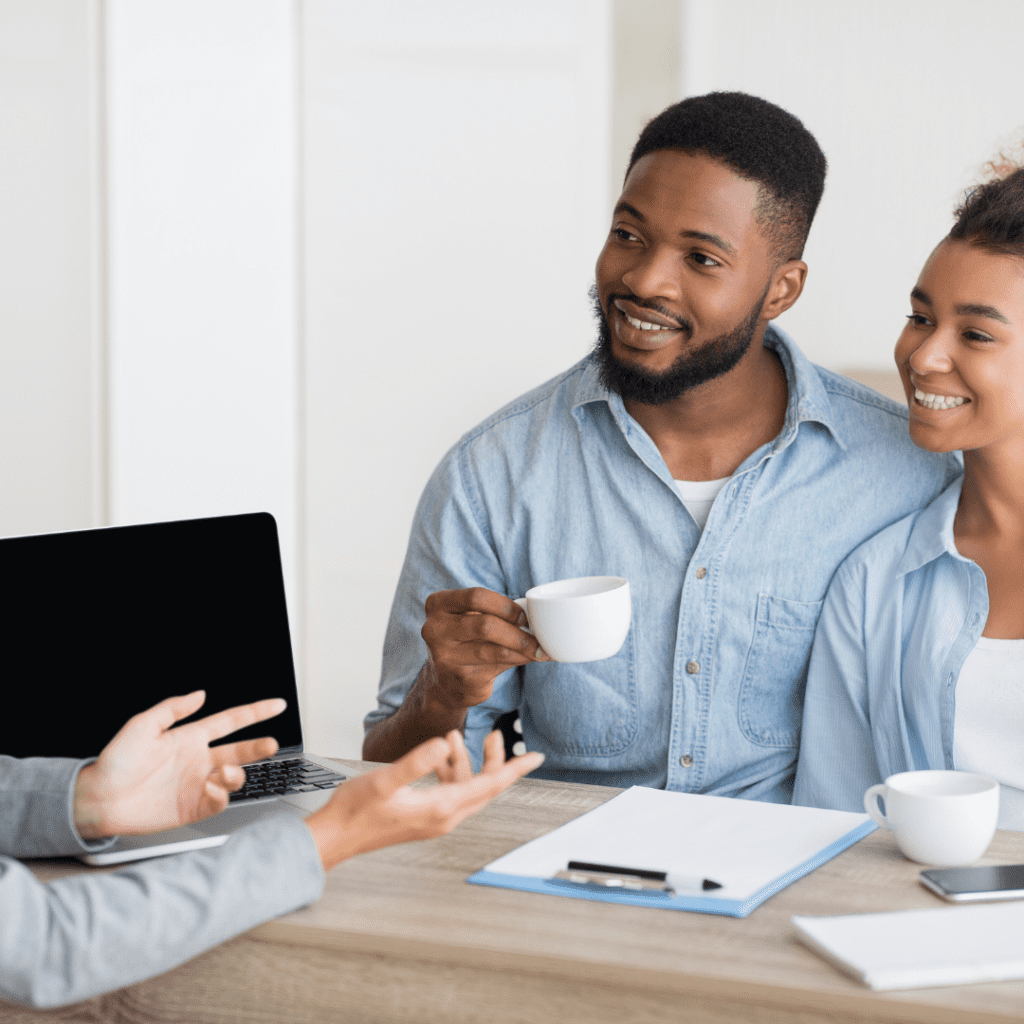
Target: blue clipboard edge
point(700, 904)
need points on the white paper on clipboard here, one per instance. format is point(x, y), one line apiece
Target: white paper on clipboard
point(751, 849)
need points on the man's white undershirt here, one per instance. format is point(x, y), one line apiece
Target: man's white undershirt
point(988, 727)
point(699, 495)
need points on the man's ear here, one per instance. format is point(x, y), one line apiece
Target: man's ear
point(785, 288)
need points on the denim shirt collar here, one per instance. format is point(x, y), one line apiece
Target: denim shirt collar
point(932, 532)
point(808, 400)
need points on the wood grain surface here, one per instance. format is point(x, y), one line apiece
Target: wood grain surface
point(399, 936)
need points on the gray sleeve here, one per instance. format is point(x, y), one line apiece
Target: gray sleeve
point(75, 938)
point(36, 808)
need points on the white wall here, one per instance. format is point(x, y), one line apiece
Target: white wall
point(907, 99)
point(456, 194)
point(203, 326)
point(51, 408)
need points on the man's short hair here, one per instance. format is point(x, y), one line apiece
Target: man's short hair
point(760, 142)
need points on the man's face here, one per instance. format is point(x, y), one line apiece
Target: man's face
point(682, 277)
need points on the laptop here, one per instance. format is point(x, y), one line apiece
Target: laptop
point(97, 625)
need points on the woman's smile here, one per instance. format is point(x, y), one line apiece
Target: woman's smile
point(939, 402)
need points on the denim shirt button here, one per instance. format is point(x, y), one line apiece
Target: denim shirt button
point(701, 573)
point(693, 667)
point(686, 760)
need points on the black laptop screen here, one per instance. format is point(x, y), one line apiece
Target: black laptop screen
point(98, 625)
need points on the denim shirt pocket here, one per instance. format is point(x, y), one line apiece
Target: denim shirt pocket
point(771, 695)
point(586, 709)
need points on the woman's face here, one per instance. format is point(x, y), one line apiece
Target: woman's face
point(961, 355)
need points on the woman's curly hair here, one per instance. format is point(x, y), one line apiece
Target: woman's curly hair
point(991, 215)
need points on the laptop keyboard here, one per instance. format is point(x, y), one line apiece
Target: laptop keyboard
point(276, 778)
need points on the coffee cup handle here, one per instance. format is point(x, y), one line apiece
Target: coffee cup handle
point(871, 803)
point(521, 601)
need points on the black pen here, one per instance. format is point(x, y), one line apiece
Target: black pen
point(670, 880)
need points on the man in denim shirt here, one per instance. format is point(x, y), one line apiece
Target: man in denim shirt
point(695, 452)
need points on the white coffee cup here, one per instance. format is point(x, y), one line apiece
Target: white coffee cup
point(944, 818)
point(582, 619)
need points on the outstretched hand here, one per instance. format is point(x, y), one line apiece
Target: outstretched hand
point(151, 777)
point(381, 808)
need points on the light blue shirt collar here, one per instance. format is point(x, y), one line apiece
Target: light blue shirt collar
point(932, 533)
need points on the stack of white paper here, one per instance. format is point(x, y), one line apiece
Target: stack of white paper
point(922, 948)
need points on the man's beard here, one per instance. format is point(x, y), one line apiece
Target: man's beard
point(649, 387)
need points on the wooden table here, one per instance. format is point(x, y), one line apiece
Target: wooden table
point(400, 937)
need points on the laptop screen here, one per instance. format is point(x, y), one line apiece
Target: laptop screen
point(97, 625)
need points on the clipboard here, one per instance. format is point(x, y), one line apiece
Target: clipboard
point(749, 850)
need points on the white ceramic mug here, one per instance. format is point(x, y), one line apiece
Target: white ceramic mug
point(582, 619)
point(944, 818)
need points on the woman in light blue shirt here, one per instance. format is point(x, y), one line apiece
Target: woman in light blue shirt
point(918, 658)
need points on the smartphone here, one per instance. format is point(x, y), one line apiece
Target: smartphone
point(966, 885)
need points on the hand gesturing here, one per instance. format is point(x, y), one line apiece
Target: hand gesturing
point(151, 777)
point(381, 808)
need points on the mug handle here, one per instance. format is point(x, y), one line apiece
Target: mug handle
point(871, 803)
point(521, 601)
